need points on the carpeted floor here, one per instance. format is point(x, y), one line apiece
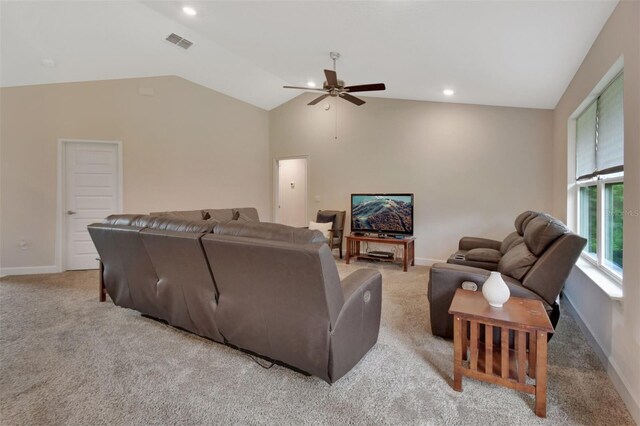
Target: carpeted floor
point(67, 359)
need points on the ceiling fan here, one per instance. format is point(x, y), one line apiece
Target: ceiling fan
point(334, 87)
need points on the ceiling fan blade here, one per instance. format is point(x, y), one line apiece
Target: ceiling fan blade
point(316, 100)
point(332, 78)
point(303, 88)
point(352, 99)
point(365, 87)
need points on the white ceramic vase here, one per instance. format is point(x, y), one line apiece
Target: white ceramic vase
point(495, 290)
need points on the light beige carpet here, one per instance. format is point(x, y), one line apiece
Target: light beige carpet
point(67, 359)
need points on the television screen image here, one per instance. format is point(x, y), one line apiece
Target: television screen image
point(382, 213)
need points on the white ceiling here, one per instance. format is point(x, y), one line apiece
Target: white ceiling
point(512, 53)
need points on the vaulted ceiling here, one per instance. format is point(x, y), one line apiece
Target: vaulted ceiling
point(515, 53)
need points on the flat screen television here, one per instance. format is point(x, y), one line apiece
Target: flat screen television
point(382, 213)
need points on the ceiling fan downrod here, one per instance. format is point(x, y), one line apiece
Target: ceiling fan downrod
point(334, 57)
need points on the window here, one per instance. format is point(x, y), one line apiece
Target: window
point(600, 178)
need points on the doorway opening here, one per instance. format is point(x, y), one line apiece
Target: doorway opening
point(89, 189)
point(290, 190)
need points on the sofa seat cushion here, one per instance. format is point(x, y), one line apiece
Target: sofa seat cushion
point(484, 255)
point(541, 232)
point(517, 261)
point(269, 231)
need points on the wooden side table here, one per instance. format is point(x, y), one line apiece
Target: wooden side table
point(408, 244)
point(526, 319)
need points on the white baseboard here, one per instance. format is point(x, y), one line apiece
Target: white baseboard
point(610, 365)
point(29, 270)
point(423, 261)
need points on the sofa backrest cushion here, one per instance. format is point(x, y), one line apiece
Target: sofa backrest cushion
point(517, 261)
point(548, 275)
point(167, 223)
point(185, 288)
point(523, 219)
point(219, 215)
point(115, 276)
point(134, 286)
point(541, 232)
point(276, 298)
point(509, 241)
point(247, 214)
point(242, 217)
point(121, 219)
point(269, 231)
point(143, 221)
point(186, 214)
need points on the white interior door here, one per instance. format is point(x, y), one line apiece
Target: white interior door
point(91, 175)
point(292, 192)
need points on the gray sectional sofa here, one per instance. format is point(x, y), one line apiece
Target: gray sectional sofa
point(534, 260)
point(269, 289)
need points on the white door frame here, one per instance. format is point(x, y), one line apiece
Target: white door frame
point(61, 194)
point(276, 175)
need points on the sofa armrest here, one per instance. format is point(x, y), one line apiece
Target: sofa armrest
point(356, 329)
point(469, 243)
point(444, 280)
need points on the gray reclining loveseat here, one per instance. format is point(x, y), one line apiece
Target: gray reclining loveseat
point(534, 261)
point(269, 289)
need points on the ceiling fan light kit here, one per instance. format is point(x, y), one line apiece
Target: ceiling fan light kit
point(334, 87)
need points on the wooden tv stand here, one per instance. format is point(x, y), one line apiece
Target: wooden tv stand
point(408, 252)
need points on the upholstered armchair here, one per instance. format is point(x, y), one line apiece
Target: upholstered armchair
point(337, 230)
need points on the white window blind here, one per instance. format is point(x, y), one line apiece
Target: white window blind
point(600, 134)
point(586, 141)
point(610, 146)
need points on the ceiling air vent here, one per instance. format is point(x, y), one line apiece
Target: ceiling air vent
point(179, 41)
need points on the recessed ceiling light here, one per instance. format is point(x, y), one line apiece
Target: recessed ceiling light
point(311, 84)
point(448, 92)
point(189, 11)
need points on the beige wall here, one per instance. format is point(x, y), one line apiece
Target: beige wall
point(186, 147)
point(614, 325)
point(472, 168)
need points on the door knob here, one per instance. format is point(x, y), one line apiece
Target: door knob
point(70, 212)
